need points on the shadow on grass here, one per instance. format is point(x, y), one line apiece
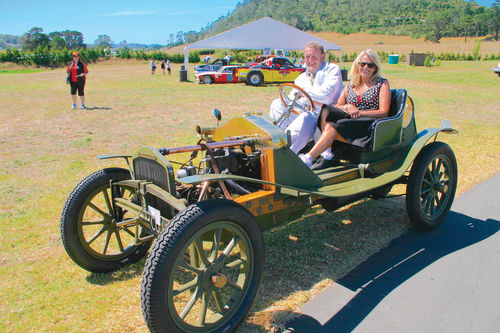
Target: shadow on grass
point(98, 108)
point(320, 246)
point(390, 267)
point(123, 274)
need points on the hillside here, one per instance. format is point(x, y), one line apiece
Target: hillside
point(432, 19)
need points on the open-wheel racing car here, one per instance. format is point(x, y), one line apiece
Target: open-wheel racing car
point(206, 220)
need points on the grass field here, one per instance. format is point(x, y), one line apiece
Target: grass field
point(46, 149)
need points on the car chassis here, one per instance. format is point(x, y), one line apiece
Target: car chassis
point(205, 266)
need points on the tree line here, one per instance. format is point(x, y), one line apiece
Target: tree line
point(42, 56)
point(432, 19)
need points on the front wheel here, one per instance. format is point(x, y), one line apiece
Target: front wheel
point(204, 270)
point(431, 186)
point(89, 224)
point(207, 79)
point(255, 78)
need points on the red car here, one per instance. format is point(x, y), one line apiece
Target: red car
point(226, 74)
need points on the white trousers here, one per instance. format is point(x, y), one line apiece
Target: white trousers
point(301, 127)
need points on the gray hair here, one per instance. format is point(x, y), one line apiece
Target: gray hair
point(317, 46)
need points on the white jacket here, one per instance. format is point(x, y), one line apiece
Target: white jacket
point(326, 85)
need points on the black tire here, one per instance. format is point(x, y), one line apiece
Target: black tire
point(255, 78)
point(431, 186)
point(88, 225)
point(207, 79)
point(237, 273)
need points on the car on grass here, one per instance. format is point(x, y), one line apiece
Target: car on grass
point(213, 66)
point(205, 219)
point(497, 69)
point(226, 74)
point(274, 69)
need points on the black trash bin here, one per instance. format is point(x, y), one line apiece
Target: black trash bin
point(183, 75)
point(345, 74)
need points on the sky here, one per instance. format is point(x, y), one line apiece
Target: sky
point(145, 22)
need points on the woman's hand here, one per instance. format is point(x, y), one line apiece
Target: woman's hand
point(352, 111)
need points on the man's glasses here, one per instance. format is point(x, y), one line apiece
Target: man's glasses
point(369, 64)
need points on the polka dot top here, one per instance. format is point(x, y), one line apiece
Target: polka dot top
point(369, 100)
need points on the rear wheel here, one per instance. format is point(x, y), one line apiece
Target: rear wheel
point(89, 220)
point(431, 186)
point(255, 78)
point(207, 79)
point(204, 270)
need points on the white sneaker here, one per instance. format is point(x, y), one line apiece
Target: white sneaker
point(307, 159)
point(82, 107)
point(73, 106)
point(327, 155)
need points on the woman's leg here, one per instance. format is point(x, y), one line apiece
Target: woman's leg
point(324, 113)
point(325, 141)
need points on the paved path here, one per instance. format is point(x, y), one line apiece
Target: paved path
point(447, 280)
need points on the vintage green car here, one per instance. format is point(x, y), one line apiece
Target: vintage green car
point(205, 220)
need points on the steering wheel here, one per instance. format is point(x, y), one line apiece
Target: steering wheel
point(291, 103)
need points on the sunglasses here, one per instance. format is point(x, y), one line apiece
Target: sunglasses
point(369, 64)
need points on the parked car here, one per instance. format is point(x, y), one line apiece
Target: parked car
point(205, 221)
point(497, 69)
point(257, 60)
point(274, 69)
point(226, 74)
point(213, 66)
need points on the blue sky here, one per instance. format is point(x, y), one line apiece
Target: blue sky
point(148, 21)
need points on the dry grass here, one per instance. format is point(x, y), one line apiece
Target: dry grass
point(405, 44)
point(46, 148)
point(398, 44)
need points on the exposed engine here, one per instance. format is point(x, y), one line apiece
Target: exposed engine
point(229, 161)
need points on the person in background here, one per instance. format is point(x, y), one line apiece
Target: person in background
point(162, 66)
point(323, 82)
point(152, 63)
point(168, 67)
point(77, 71)
point(366, 98)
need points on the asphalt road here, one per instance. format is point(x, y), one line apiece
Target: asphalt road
point(447, 280)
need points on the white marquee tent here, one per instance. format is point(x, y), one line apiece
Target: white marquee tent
point(264, 33)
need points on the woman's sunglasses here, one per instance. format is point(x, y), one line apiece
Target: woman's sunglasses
point(369, 64)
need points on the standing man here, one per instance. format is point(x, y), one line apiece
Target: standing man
point(152, 64)
point(77, 71)
point(168, 67)
point(323, 82)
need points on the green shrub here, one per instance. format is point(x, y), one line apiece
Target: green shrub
point(428, 61)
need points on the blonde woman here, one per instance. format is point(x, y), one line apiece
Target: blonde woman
point(366, 98)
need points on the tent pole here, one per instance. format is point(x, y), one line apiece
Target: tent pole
point(186, 60)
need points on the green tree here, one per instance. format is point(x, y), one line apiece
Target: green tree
point(34, 38)
point(103, 41)
point(73, 39)
point(494, 19)
point(57, 43)
point(436, 26)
